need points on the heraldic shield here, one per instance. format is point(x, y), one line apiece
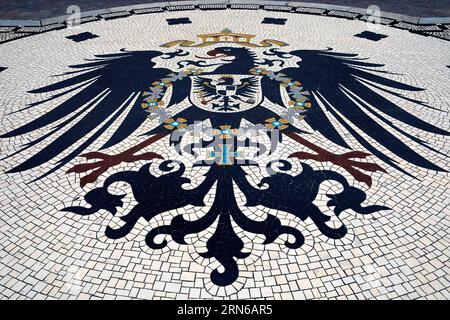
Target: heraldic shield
point(226, 93)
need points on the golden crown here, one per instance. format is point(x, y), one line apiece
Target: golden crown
point(225, 36)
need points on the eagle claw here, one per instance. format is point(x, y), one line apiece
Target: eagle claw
point(108, 161)
point(345, 161)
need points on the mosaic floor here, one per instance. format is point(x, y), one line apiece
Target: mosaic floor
point(225, 154)
point(32, 9)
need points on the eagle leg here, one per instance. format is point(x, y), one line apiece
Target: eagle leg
point(107, 161)
point(345, 160)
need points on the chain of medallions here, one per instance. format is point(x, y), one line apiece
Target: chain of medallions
point(297, 99)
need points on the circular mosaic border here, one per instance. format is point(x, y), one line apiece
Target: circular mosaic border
point(436, 27)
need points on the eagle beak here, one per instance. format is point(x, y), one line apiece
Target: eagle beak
point(213, 54)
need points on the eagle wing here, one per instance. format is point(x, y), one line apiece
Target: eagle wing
point(112, 89)
point(248, 87)
point(345, 86)
point(204, 86)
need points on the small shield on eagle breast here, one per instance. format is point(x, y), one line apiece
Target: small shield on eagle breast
point(225, 90)
point(226, 93)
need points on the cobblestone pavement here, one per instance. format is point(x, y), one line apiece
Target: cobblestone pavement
point(38, 9)
point(225, 154)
